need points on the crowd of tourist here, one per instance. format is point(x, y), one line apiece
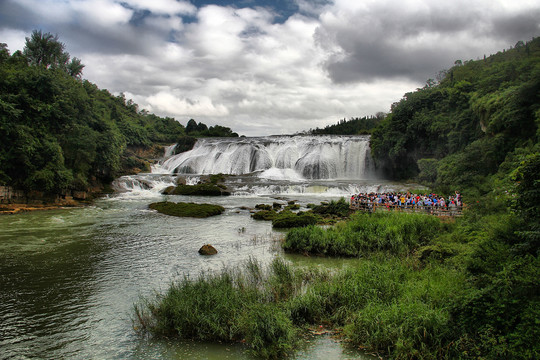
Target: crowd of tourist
point(428, 202)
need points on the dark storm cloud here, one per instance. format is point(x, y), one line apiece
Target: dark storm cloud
point(415, 42)
point(522, 26)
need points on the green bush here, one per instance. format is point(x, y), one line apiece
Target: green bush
point(268, 331)
point(338, 208)
point(204, 189)
point(287, 219)
point(263, 207)
point(187, 209)
point(409, 329)
point(184, 143)
point(233, 305)
point(264, 215)
point(395, 233)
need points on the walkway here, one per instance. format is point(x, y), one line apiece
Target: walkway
point(433, 210)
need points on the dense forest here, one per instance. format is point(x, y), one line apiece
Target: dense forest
point(353, 126)
point(59, 132)
point(477, 131)
point(481, 115)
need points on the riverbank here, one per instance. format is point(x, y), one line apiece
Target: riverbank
point(11, 209)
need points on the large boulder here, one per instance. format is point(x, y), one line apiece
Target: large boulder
point(207, 250)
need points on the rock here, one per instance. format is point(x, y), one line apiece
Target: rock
point(80, 195)
point(207, 250)
point(169, 190)
point(181, 180)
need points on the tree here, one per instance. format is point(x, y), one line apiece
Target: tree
point(191, 126)
point(44, 49)
point(4, 52)
point(75, 67)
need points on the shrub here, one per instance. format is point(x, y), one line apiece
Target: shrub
point(268, 331)
point(185, 143)
point(263, 207)
point(382, 231)
point(338, 208)
point(204, 189)
point(187, 209)
point(287, 219)
point(264, 215)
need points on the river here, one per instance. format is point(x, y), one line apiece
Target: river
point(69, 278)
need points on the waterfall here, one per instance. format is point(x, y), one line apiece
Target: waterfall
point(292, 158)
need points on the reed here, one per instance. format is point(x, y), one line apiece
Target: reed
point(393, 233)
point(234, 305)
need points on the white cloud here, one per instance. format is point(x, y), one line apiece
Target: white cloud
point(15, 39)
point(185, 106)
point(237, 67)
point(101, 13)
point(163, 7)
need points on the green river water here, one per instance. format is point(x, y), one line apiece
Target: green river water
point(69, 277)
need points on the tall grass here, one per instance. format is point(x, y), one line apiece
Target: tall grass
point(383, 302)
point(393, 233)
point(233, 305)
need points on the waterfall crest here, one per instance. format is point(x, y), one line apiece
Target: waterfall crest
point(282, 157)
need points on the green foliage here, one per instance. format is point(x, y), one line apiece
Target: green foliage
point(59, 133)
point(526, 202)
point(216, 178)
point(263, 207)
point(264, 215)
point(428, 170)
point(195, 129)
point(268, 331)
point(204, 189)
point(395, 233)
point(44, 49)
point(353, 126)
point(184, 143)
point(288, 219)
point(231, 306)
point(338, 208)
point(187, 209)
point(465, 125)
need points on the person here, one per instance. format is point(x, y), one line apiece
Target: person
point(452, 207)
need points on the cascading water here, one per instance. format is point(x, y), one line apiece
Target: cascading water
point(267, 166)
point(285, 157)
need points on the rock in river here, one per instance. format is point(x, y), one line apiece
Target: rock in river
point(207, 250)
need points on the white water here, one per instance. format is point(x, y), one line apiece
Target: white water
point(278, 158)
point(323, 166)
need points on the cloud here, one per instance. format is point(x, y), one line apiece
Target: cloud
point(370, 40)
point(249, 68)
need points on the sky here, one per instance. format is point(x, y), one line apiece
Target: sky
point(264, 67)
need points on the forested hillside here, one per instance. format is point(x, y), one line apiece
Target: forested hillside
point(457, 133)
point(60, 133)
point(477, 131)
point(353, 126)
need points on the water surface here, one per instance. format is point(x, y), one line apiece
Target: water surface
point(69, 277)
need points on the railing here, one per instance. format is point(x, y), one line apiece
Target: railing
point(426, 209)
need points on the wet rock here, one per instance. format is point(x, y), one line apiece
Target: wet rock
point(207, 250)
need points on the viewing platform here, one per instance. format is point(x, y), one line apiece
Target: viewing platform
point(432, 210)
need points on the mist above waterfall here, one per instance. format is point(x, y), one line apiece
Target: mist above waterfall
point(292, 158)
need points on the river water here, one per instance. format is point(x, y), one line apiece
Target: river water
point(69, 278)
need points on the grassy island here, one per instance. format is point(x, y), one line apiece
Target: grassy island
point(183, 209)
point(211, 185)
point(326, 213)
